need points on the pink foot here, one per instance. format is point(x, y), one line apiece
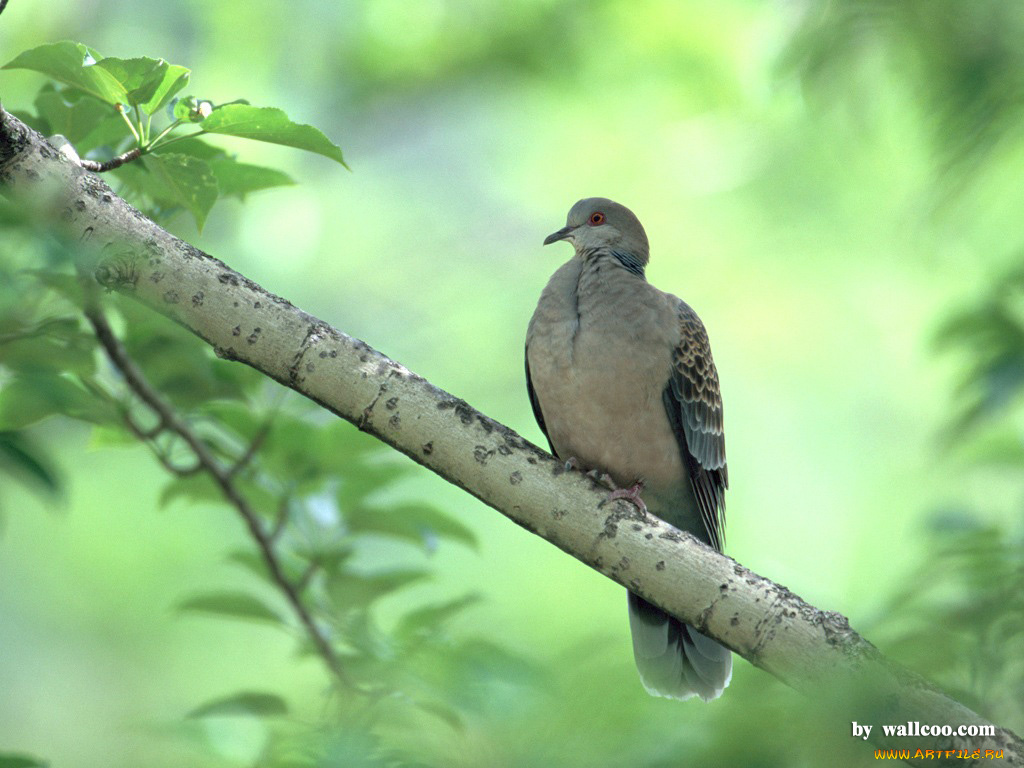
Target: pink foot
point(632, 495)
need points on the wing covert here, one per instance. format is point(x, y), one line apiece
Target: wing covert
point(693, 401)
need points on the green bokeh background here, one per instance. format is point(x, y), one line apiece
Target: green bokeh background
point(811, 181)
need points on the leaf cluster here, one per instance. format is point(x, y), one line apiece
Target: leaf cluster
point(107, 106)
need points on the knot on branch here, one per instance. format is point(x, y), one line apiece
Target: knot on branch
point(117, 272)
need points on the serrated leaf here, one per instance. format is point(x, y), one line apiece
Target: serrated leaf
point(173, 180)
point(235, 179)
point(140, 77)
point(235, 605)
point(9, 760)
point(174, 79)
point(185, 181)
point(73, 64)
point(243, 703)
point(86, 122)
point(271, 125)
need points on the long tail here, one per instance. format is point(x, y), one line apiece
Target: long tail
point(674, 659)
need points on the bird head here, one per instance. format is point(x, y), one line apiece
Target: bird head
point(597, 223)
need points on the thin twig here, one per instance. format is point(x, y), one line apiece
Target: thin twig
point(141, 433)
point(162, 456)
point(112, 163)
point(138, 383)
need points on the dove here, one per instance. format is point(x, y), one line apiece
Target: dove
point(623, 385)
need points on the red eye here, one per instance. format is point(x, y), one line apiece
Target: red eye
point(596, 219)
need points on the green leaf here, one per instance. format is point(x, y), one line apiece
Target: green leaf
point(330, 556)
point(53, 346)
point(34, 121)
point(431, 617)
point(139, 77)
point(444, 712)
point(243, 703)
point(20, 456)
point(174, 79)
point(271, 125)
point(65, 284)
point(86, 122)
point(414, 522)
point(236, 417)
point(192, 488)
point(9, 760)
point(236, 179)
point(179, 364)
point(250, 561)
point(189, 182)
point(175, 180)
point(236, 605)
point(192, 147)
point(28, 399)
point(111, 436)
point(351, 590)
point(73, 64)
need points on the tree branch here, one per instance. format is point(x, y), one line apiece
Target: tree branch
point(112, 163)
point(762, 621)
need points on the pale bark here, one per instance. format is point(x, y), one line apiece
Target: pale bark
point(764, 622)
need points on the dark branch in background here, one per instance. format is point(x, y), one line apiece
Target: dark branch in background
point(112, 163)
point(169, 421)
point(3, 4)
point(254, 446)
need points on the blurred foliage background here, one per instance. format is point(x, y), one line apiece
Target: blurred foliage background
point(835, 187)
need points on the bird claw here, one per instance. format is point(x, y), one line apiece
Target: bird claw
point(631, 494)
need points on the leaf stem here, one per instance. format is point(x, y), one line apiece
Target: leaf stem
point(138, 123)
point(121, 111)
point(162, 133)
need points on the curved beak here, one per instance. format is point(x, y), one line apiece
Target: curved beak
point(563, 234)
